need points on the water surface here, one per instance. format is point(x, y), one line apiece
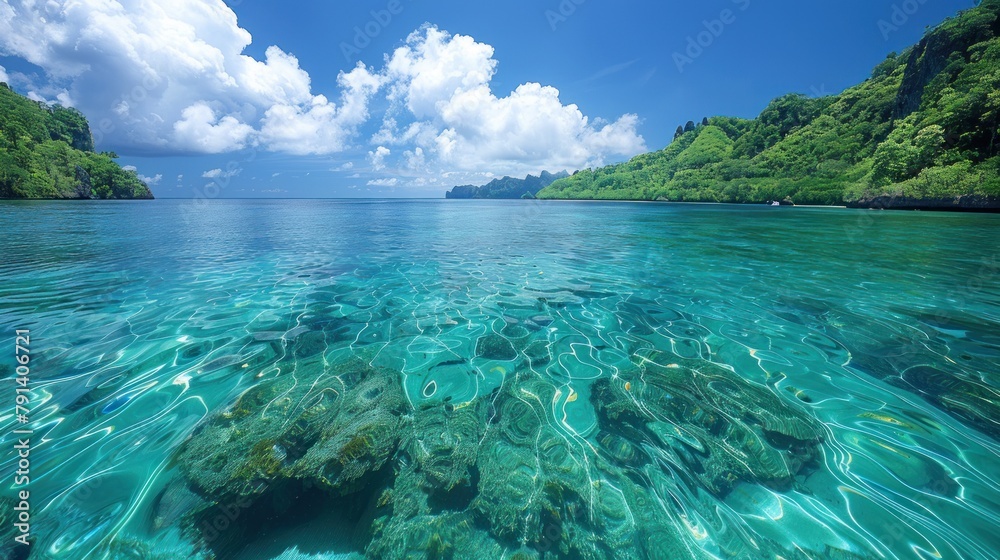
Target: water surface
point(548, 380)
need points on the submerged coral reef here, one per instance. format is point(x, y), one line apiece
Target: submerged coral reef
point(502, 474)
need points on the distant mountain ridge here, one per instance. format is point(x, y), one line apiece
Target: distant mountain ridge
point(508, 187)
point(48, 152)
point(920, 133)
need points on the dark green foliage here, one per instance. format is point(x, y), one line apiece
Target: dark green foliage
point(508, 187)
point(48, 152)
point(70, 126)
point(925, 125)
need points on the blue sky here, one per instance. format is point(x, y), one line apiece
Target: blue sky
point(256, 99)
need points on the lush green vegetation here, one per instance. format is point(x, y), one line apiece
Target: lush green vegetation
point(924, 126)
point(508, 187)
point(48, 152)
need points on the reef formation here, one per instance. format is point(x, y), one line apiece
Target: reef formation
point(502, 474)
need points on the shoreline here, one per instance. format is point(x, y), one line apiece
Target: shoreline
point(909, 205)
point(57, 198)
point(875, 206)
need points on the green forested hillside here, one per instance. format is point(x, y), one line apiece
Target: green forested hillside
point(48, 152)
point(922, 128)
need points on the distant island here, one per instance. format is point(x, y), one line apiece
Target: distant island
point(508, 187)
point(48, 152)
point(921, 133)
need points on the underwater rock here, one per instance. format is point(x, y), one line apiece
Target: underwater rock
point(348, 433)
point(309, 344)
point(361, 438)
point(435, 479)
point(294, 554)
point(451, 536)
point(293, 447)
point(444, 444)
point(538, 353)
point(129, 548)
point(329, 432)
point(515, 332)
point(173, 503)
point(537, 492)
point(495, 347)
point(899, 356)
point(959, 392)
point(529, 480)
point(542, 320)
point(970, 400)
point(502, 474)
point(720, 427)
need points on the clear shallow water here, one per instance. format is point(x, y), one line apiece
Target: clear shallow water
point(568, 380)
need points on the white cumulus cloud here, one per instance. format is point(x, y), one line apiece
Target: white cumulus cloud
point(166, 76)
point(319, 126)
point(202, 130)
point(441, 86)
point(150, 181)
point(377, 158)
point(415, 159)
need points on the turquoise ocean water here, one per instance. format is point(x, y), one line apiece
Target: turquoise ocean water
point(410, 379)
